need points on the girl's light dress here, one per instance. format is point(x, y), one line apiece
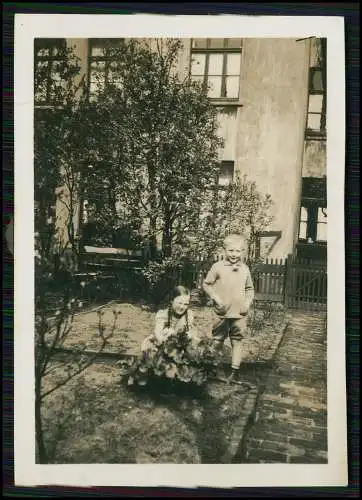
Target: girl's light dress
point(166, 326)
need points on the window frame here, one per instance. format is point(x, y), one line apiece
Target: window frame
point(224, 51)
point(312, 91)
point(314, 197)
point(312, 207)
point(51, 44)
point(106, 58)
point(226, 163)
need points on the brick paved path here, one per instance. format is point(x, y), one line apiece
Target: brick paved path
point(291, 414)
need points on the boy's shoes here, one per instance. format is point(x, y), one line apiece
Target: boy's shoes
point(234, 379)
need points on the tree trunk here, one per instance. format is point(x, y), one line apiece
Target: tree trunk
point(167, 236)
point(214, 209)
point(153, 217)
point(152, 241)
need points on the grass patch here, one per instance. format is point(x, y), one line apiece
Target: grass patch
point(96, 420)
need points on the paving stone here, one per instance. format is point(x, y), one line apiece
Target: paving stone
point(255, 456)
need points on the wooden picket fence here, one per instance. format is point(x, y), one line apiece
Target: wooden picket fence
point(297, 283)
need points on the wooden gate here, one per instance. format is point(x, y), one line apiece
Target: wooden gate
point(306, 284)
point(298, 283)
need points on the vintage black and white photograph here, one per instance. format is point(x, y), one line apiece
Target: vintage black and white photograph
point(181, 248)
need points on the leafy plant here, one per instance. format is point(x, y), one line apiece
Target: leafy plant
point(178, 358)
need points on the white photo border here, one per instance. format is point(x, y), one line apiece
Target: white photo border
point(27, 472)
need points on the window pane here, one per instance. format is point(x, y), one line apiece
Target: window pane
point(322, 214)
point(233, 43)
point(43, 53)
point(40, 92)
point(98, 51)
point(215, 64)
point(315, 103)
point(97, 82)
point(303, 214)
point(115, 79)
point(113, 43)
point(216, 43)
point(41, 66)
point(227, 173)
point(215, 86)
point(198, 64)
point(98, 65)
point(199, 43)
point(316, 80)
point(314, 122)
point(233, 64)
point(232, 87)
point(56, 51)
point(322, 232)
point(303, 231)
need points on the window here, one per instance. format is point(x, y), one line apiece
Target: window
point(49, 57)
point(303, 223)
point(322, 224)
point(226, 173)
point(316, 121)
point(313, 223)
point(313, 215)
point(103, 64)
point(215, 62)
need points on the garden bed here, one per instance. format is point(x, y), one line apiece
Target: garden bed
point(109, 423)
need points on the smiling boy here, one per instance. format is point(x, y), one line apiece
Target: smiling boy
point(229, 284)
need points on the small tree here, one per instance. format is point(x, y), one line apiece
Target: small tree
point(156, 143)
point(60, 150)
point(243, 209)
point(51, 335)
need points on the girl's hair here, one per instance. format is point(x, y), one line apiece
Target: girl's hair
point(177, 292)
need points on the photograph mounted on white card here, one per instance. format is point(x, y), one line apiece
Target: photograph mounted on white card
point(178, 192)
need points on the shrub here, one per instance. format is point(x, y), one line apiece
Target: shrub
point(160, 276)
point(178, 358)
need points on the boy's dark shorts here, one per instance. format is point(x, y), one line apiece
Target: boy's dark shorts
point(229, 327)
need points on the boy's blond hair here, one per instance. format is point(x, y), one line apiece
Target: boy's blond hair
point(234, 238)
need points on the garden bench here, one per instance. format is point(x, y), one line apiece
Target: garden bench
point(106, 270)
